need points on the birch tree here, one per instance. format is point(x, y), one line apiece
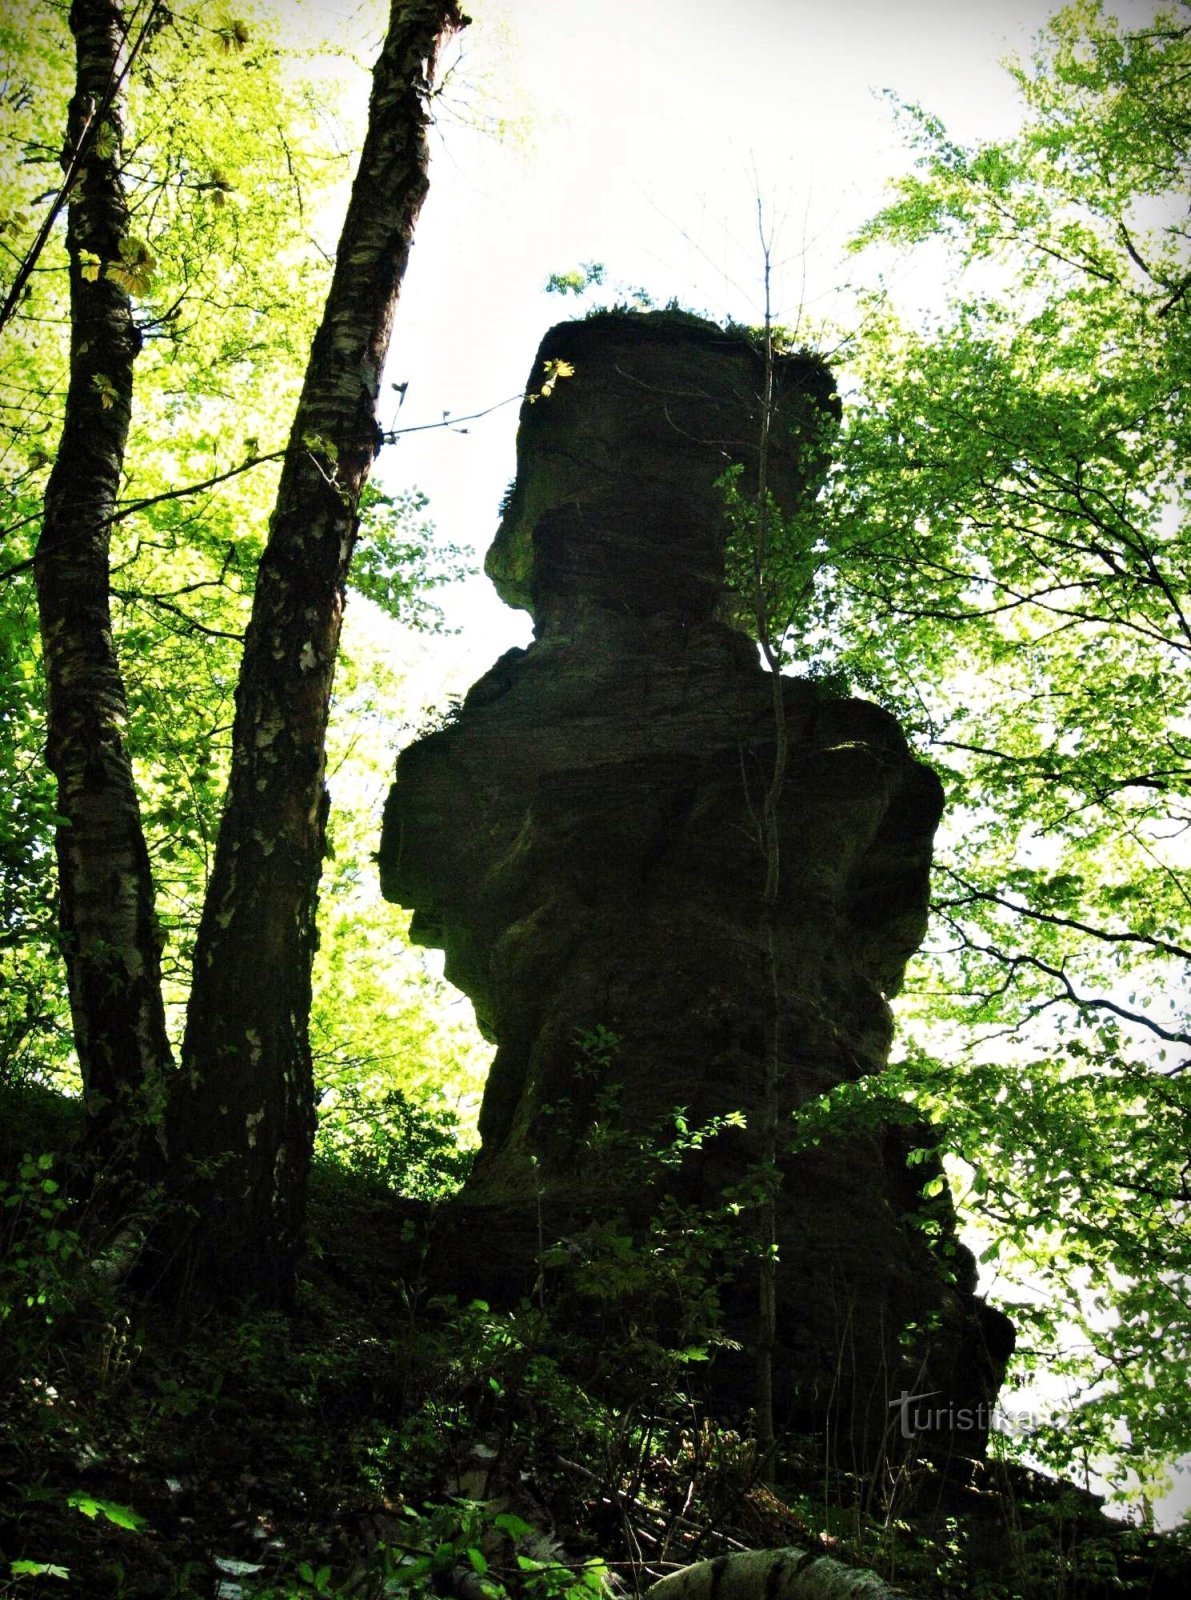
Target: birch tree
point(245, 1103)
point(232, 1130)
point(108, 925)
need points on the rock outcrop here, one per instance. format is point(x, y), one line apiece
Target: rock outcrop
point(583, 843)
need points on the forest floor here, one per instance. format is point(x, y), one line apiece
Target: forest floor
point(371, 1442)
point(379, 1441)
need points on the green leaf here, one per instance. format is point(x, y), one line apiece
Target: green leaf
point(515, 1526)
point(121, 1516)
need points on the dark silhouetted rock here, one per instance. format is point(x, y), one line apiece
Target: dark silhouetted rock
point(582, 842)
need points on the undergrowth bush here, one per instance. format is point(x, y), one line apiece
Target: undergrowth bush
point(407, 1146)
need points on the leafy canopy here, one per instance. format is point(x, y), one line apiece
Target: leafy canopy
point(236, 170)
point(1003, 554)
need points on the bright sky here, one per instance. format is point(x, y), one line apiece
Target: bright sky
point(653, 126)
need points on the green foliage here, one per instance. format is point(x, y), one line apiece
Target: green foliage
point(40, 1245)
point(394, 1142)
point(588, 275)
point(386, 1444)
point(120, 1516)
point(1003, 556)
point(771, 562)
point(397, 561)
point(226, 282)
point(399, 1064)
point(234, 168)
point(439, 1541)
point(646, 1289)
point(650, 1298)
point(33, 1004)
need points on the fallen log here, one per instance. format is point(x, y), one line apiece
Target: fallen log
point(788, 1574)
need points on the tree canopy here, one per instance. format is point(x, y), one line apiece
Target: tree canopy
point(234, 170)
point(1003, 553)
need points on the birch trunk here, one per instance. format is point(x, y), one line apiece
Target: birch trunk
point(109, 931)
point(245, 1114)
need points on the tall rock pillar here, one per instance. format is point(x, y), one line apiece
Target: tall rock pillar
point(583, 843)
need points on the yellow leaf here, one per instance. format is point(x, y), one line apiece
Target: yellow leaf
point(555, 370)
point(134, 271)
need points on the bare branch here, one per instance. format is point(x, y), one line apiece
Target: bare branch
point(1056, 921)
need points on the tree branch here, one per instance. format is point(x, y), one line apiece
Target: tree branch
point(1056, 921)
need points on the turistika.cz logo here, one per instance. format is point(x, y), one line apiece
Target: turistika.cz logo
point(916, 1416)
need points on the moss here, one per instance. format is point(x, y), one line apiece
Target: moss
point(633, 441)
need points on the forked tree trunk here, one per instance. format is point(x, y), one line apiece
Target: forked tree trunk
point(108, 927)
point(244, 1115)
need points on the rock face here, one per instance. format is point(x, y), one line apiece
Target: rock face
point(582, 842)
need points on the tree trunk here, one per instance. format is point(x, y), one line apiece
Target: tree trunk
point(770, 841)
point(109, 931)
point(245, 1111)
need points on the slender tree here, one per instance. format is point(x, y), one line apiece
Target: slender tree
point(244, 1114)
point(760, 545)
point(109, 931)
point(771, 847)
point(239, 1125)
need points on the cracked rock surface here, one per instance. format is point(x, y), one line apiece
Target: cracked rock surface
point(582, 842)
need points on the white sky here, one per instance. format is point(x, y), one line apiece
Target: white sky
point(654, 125)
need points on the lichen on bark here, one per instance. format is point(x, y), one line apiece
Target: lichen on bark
point(244, 1120)
point(109, 931)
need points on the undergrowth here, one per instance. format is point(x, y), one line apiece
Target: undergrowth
point(383, 1440)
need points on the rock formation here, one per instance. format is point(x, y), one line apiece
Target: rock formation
point(582, 842)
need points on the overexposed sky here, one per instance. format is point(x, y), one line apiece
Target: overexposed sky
point(653, 125)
